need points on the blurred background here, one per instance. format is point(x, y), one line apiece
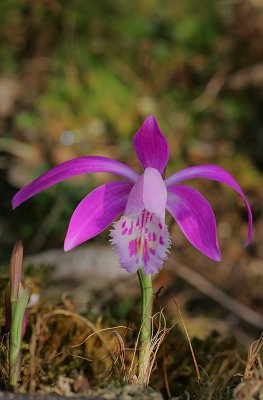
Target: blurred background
point(79, 77)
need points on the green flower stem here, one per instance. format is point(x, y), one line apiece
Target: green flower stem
point(146, 327)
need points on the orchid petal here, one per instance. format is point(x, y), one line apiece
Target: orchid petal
point(216, 173)
point(151, 146)
point(96, 211)
point(150, 193)
point(195, 217)
point(68, 169)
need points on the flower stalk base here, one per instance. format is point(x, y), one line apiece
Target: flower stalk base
point(146, 327)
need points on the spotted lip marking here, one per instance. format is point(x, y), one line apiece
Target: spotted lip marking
point(141, 241)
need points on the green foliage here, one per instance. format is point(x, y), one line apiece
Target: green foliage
point(103, 58)
point(97, 69)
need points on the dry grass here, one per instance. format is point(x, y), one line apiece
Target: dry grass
point(252, 385)
point(159, 331)
point(4, 359)
point(60, 337)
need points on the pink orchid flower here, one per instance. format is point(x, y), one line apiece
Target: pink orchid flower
point(140, 237)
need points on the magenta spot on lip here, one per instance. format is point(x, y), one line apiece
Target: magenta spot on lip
point(160, 226)
point(131, 228)
point(133, 247)
point(147, 216)
point(123, 224)
point(154, 237)
point(152, 251)
point(142, 223)
point(161, 240)
point(124, 231)
point(145, 254)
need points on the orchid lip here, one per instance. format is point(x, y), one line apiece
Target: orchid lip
point(141, 241)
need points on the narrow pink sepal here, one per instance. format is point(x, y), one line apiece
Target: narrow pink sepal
point(68, 169)
point(196, 219)
point(151, 146)
point(216, 173)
